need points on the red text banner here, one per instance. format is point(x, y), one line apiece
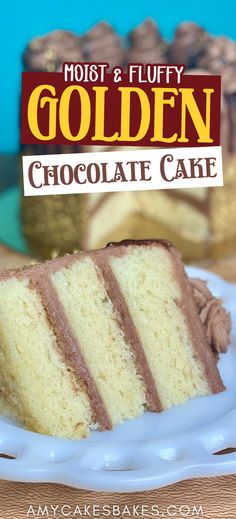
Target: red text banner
point(130, 109)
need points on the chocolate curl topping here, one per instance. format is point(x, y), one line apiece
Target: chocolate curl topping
point(146, 44)
point(102, 44)
point(213, 316)
point(189, 42)
point(48, 53)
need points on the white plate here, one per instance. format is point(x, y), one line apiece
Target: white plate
point(149, 452)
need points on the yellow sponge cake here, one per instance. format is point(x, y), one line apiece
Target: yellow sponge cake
point(92, 339)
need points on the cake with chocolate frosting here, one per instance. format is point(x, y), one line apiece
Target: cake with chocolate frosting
point(92, 339)
point(200, 222)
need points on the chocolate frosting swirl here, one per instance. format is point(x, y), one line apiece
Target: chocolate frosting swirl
point(48, 53)
point(213, 316)
point(189, 42)
point(102, 44)
point(146, 44)
point(219, 56)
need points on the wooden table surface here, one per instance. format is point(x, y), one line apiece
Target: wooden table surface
point(211, 498)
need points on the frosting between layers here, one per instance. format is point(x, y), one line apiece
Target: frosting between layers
point(197, 331)
point(189, 308)
point(68, 345)
point(127, 325)
point(200, 205)
point(216, 320)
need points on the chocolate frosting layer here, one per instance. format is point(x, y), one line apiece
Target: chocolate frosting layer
point(213, 315)
point(126, 243)
point(67, 343)
point(200, 328)
point(129, 330)
point(197, 331)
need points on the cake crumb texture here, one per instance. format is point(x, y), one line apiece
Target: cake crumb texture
point(46, 396)
point(94, 322)
point(90, 340)
point(152, 292)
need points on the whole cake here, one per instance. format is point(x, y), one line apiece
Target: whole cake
point(92, 339)
point(200, 222)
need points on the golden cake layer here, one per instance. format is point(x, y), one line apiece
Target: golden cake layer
point(92, 339)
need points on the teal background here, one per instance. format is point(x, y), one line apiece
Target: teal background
point(10, 223)
point(22, 20)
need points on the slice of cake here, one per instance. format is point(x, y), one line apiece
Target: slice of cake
point(92, 339)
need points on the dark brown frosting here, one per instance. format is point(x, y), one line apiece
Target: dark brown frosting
point(102, 44)
point(213, 316)
point(128, 242)
point(48, 53)
point(146, 44)
point(189, 42)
